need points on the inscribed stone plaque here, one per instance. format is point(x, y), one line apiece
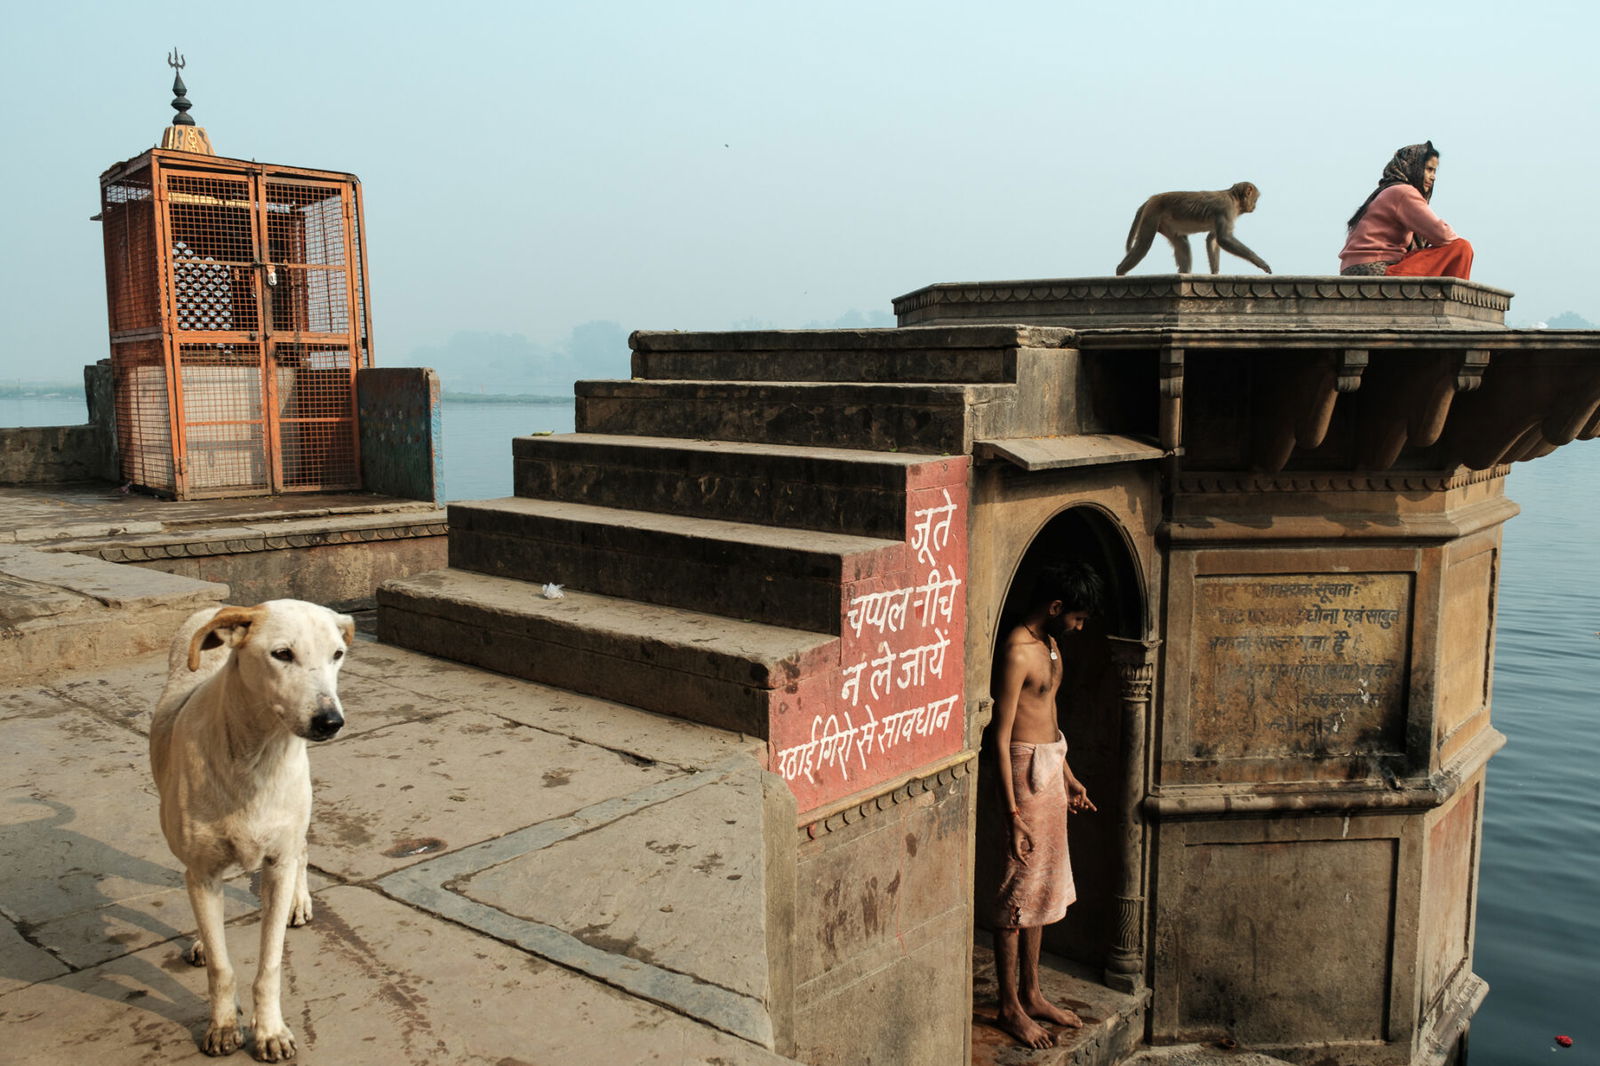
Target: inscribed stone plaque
point(1299, 664)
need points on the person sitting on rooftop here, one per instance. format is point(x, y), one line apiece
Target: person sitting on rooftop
point(1396, 233)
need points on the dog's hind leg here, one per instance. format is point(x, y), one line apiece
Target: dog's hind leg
point(273, 1040)
point(300, 913)
point(205, 896)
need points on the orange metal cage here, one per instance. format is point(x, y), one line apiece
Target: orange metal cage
point(237, 301)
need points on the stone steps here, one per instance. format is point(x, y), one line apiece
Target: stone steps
point(1113, 1022)
point(701, 667)
point(784, 577)
point(832, 490)
point(966, 354)
point(936, 419)
point(60, 613)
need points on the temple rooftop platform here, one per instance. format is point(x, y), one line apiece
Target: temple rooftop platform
point(1211, 300)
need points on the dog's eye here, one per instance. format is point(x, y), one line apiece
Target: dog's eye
point(284, 655)
point(338, 655)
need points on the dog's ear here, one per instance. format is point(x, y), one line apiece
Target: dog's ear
point(237, 620)
point(347, 628)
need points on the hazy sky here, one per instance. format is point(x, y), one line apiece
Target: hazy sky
point(532, 166)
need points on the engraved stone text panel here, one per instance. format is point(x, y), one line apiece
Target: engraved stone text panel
point(1290, 665)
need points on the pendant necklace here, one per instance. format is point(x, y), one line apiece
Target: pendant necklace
point(1048, 646)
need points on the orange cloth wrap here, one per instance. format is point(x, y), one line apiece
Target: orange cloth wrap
point(1450, 260)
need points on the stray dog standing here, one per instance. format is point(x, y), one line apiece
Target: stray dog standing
point(246, 688)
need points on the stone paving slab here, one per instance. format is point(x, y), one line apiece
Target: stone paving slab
point(371, 980)
point(63, 612)
point(1202, 1055)
point(464, 778)
point(685, 847)
point(47, 513)
point(66, 583)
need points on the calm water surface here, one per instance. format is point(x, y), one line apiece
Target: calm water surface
point(1539, 892)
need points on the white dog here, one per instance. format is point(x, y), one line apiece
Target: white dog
point(246, 688)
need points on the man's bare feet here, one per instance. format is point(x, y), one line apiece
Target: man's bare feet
point(1044, 1010)
point(1028, 1032)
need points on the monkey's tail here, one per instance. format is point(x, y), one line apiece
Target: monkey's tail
point(1133, 230)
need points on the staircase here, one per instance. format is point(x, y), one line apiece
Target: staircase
point(715, 521)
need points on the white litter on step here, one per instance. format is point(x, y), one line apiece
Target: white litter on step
point(553, 592)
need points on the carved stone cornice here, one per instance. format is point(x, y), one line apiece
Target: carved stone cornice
point(1230, 483)
point(858, 811)
point(1086, 303)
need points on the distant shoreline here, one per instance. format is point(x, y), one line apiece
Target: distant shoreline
point(476, 397)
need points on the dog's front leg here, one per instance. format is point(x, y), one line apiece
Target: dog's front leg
point(273, 1040)
point(300, 913)
point(205, 896)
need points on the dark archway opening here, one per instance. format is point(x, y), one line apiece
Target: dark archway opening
point(1089, 710)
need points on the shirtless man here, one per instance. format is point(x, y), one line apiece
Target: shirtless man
point(1037, 789)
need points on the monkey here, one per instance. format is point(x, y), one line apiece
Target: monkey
point(1175, 215)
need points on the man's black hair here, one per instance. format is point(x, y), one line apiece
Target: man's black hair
point(1077, 585)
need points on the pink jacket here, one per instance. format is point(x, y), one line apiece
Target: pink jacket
point(1384, 233)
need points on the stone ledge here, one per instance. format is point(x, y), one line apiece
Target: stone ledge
point(1209, 299)
point(968, 336)
point(309, 533)
point(1334, 797)
point(832, 819)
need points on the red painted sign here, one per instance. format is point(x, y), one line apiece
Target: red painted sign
point(895, 701)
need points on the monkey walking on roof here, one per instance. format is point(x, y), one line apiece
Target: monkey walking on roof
point(1175, 215)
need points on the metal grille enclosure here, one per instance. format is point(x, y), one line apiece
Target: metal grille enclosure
point(238, 312)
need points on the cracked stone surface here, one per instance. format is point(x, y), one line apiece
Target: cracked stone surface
point(698, 846)
point(537, 790)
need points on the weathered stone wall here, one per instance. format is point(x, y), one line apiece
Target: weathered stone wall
point(343, 573)
point(882, 936)
point(400, 413)
point(44, 455)
point(1323, 733)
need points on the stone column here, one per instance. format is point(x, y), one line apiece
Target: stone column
point(1136, 666)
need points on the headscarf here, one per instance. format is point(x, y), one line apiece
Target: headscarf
point(1404, 169)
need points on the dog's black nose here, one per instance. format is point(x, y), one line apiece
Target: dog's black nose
point(326, 723)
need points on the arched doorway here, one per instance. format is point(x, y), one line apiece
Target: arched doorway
point(1090, 709)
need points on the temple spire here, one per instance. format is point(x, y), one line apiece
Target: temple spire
point(183, 135)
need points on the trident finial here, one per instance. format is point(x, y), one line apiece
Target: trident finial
point(180, 102)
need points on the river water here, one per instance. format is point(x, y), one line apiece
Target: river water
point(1539, 893)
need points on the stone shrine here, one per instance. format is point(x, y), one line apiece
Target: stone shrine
point(1295, 489)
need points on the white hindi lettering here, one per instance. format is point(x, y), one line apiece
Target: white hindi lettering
point(882, 671)
point(830, 748)
point(937, 597)
point(884, 612)
point(916, 610)
point(917, 664)
point(852, 682)
point(930, 535)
